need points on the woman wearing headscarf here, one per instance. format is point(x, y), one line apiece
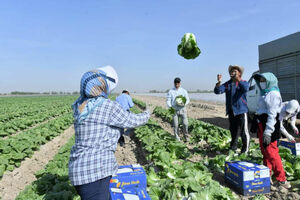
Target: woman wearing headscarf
point(289, 110)
point(97, 124)
point(268, 128)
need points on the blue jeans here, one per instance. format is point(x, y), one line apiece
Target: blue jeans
point(98, 190)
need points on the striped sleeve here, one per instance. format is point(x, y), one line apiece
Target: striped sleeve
point(123, 119)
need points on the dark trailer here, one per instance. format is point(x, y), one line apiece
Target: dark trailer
point(282, 57)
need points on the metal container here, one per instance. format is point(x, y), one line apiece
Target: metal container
point(282, 57)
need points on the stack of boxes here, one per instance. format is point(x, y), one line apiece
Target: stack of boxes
point(294, 147)
point(247, 178)
point(130, 183)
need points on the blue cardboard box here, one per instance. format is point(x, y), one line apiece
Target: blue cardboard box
point(294, 147)
point(134, 193)
point(129, 176)
point(247, 192)
point(247, 178)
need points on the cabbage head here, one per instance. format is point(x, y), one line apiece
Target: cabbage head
point(188, 47)
point(180, 100)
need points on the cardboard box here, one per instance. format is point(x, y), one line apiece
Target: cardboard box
point(294, 147)
point(247, 178)
point(129, 176)
point(134, 193)
point(247, 192)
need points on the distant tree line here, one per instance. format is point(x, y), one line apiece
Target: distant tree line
point(41, 93)
point(157, 91)
point(190, 91)
point(77, 93)
point(201, 91)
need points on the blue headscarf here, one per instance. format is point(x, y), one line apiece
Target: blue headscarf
point(271, 82)
point(94, 89)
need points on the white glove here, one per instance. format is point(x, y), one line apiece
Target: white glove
point(149, 108)
point(290, 138)
point(296, 131)
point(286, 134)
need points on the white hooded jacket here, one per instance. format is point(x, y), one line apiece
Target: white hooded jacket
point(283, 116)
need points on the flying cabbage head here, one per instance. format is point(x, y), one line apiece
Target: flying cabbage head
point(188, 47)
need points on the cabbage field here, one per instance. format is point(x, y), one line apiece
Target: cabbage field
point(20, 113)
point(175, 170)
point(26, 124)
point(175, 174)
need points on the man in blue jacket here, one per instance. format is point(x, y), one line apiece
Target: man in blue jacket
point(236, 105)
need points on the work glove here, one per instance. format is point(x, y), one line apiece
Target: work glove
point(296, 131)
point(291, 138)
point(180, 104)
point(149, 108)
point(266, 140)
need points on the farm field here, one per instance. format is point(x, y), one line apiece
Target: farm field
point(34, 157)
point(32, 130)
point(141, 100)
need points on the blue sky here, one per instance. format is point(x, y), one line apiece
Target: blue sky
point(48, 45)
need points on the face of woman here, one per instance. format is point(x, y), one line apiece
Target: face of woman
point(263, 83)
point(262, 79)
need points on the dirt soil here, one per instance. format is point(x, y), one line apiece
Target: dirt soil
point(213, 113)
point(131, 152)
point(12, 183)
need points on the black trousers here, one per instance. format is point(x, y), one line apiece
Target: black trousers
point(98, 190)
point(239, 123)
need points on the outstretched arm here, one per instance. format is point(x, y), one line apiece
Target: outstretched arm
point(123, 119)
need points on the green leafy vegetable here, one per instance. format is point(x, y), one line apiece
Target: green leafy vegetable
point(180, 100)
point(188, 47)
point(171, 111)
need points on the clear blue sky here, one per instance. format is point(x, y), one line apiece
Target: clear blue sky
point(48, 45)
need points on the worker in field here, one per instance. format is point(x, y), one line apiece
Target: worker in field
point(97, 123)
point(236, 105)
point(126, 103)
point(289, 110)
point(268, 129)
point(178, 98)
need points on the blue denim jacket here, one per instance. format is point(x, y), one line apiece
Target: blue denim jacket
point(236, 99)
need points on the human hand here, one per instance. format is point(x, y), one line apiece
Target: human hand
point(181, 104)
point(219, 78)
point(296, 131)
point(291, 139)
point(149, 108)
point(266, 140)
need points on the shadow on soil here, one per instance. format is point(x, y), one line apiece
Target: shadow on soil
point(139, 152)
point(217, 121)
